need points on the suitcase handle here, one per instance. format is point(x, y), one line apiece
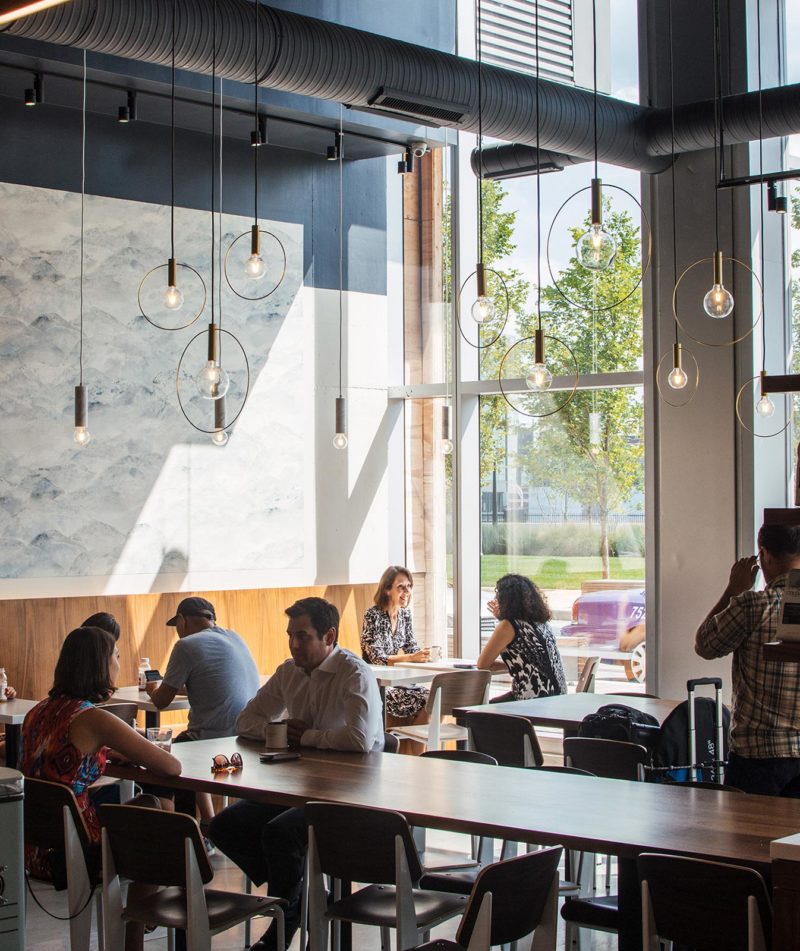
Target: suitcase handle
point(704, 682)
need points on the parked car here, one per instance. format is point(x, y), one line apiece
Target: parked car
point(613, 619)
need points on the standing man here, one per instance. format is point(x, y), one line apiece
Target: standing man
point(214, 665)
point(331, 699)
point(765, 723)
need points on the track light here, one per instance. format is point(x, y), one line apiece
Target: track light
point(260, 137)
point(406, 164)
point(776, 202)
point(35, 95)
point(128, 113)
point(332, 152)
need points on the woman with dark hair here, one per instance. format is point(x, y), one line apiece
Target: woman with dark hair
point(387, 638)
point(524, 641)
point(105, 621)
point(67, 739)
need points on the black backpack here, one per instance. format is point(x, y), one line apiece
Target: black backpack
point(616, 721)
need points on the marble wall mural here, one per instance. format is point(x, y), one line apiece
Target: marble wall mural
point(150, 497)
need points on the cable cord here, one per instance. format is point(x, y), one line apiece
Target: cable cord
point(341, 241)
point(672, 153)
point(538, 183)
point(49, 913)
point(257, 132)
point(479, 57)
point(172, 143)
point(761, 189)
point(83, 215)
point(594, 73)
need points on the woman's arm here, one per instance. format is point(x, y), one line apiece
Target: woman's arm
point(501, 637)
point(96, 728)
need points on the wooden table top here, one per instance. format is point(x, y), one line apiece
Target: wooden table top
point(623, 818)
point(12, 712)
point(143, 702)
point(567, 710)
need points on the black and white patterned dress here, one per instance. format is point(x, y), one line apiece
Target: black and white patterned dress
point(534, 662)
point(378, 642)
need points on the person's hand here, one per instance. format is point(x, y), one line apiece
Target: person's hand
point(151, 686)
point(493, 608)
point(420, 656)
point(10, 693)
point(295, 730)
point(743, 574)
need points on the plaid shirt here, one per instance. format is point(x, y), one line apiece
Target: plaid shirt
point(765, 720)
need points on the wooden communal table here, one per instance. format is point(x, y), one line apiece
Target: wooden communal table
point(585, 813)
point(12, 713)
point(566, 711)
point(152, 714)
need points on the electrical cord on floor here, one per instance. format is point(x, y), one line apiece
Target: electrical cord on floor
point(50, 913)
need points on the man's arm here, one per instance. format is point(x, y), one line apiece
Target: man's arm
point(161, 694)
point(361, 702)
point(707, 642)
point(268, 704)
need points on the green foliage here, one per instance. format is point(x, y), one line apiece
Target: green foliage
point(559, 539)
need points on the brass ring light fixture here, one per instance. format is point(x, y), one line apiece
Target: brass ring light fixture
point(538, 340)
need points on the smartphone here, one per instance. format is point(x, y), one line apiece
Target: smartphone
point(278, 757)
point(464, 666)
point(151, 676)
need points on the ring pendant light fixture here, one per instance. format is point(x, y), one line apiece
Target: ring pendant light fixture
point(340, 434)
point(255, 271)
point(156, 307)
point(764, 408)
point(483, 310)
point(212, 381)
point(677, 379)
point(539, 378)
point(81, 434)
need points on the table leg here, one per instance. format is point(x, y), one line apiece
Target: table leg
point(152, 719)
point(186, 801)
point(382, 692)
point(630, 905)
point(12, 745)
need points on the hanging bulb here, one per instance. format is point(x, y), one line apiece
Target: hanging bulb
point(596, 248)
point(255, 268)
point(483, 309)
point(718, 302)
point(447, 442)
point(212, 381)
point(677, 378)
point(447, 447)
point(173, 298)
point(595, 429)
point(81, 435)
point(538, 378)
point(765, 407)
point(219, 437)
point(340, 439)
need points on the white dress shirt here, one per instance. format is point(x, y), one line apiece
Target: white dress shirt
point(339, 699)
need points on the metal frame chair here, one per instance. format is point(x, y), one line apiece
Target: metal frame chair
point(510, 739)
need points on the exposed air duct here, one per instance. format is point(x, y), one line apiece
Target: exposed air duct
point(300, 54)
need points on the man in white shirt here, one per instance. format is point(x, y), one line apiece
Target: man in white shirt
point(332, 702)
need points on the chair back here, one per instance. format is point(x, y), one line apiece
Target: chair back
point(705, 904)
point(457, 688)
point(462, 756)
point(610, 759)
point(124, 709)
point(391, 743)
point(148, 844)
point(705, 784)
point(531, 875)
point(588, 675)
point(357, 843)
point(565, 770)
point(44, 814)
point(511, 740)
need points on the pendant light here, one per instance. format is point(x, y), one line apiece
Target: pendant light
point(596, 248)
point(483, 310)
point(340, 436)
point(677, 378)
point(81, 435)
point(157, 307)
point(251, 279)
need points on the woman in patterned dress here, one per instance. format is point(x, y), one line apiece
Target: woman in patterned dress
point(524, 641)
point(387, 638)
point(66, 739)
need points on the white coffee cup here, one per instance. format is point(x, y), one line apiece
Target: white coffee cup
point(435, 652)
point(275, 735)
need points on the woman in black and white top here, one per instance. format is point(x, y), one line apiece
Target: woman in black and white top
point(387, 638)
point(524, 641)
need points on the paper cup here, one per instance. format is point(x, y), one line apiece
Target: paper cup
point(275, 735)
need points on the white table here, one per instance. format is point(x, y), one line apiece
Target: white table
point(12, 713)
point(152, 714)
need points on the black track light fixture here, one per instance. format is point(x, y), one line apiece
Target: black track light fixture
point(406, 164)
point(127, 113)
point(261, 136)
point(776, 202)
point(332, 152)
point(35, 95)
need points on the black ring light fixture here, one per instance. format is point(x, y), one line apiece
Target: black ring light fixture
point(536, 339)
point(212, 402)
point(480, 274)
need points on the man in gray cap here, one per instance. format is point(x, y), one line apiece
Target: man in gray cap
point(215, 667)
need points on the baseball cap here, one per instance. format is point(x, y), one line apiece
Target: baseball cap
point(198, 607)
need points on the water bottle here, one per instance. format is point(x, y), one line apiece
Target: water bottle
point(3, 685)
point(144, 664)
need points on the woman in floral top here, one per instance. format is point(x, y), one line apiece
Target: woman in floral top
point(387, 638)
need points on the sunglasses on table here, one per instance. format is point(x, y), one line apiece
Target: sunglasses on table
point(221, 763)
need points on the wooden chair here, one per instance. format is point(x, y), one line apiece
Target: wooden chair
point(586, 681)
point(457, 688)
point(497, 913)
point(511, 740)
point(166, 849)
point(359, 844)
point(54, 821)
point(123, 709)
point(708, 906)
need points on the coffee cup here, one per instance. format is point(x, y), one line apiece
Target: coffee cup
point(435, 652)
point(275, 735)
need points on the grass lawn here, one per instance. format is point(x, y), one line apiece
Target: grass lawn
point(558, 572)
